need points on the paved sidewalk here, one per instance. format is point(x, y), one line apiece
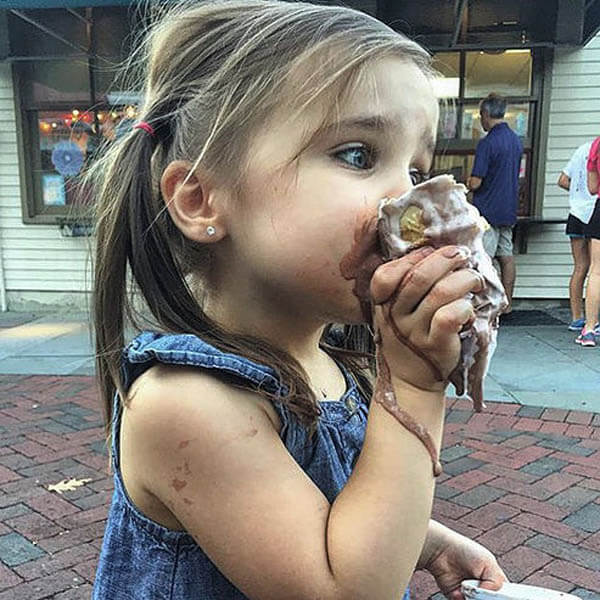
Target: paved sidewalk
point(535, 365)
point(524, 481)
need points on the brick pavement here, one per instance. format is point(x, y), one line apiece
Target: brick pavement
point(524, 481)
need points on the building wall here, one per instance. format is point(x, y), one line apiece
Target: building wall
point(40, 266)
point(574, 119)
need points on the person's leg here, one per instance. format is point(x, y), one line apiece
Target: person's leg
point(490, 241)
point(581, 264)
point(508, 271)
point(592, 292)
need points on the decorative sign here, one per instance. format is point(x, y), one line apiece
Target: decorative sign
point(53, 190)
point(67, 158)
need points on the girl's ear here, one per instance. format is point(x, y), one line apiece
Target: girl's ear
point(194, 204)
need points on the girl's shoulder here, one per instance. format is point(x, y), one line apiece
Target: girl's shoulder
point(208, 452)
point(151, 347)
point(167, 408)
point(168, 391)
point(166, 366)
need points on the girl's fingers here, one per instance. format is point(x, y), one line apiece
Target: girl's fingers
point(388, 276)
point(448, 321)
point(454, 286)
point(422, 277)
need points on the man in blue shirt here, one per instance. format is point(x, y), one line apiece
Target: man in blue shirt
point(495, 185)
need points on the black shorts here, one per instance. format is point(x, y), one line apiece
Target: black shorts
point(576, 228)
point(592, 229)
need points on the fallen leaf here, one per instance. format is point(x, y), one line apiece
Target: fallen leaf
point(67, 485)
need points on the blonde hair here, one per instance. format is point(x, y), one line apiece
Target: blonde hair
point(214, 72)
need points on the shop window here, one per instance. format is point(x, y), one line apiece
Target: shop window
point(54, 81)
point(462, 79)
point(448, 123)
point(517, 116)
point(507, 73)
point(447, 80)
point(460, 165)
point(71, 105)
point(65, 143)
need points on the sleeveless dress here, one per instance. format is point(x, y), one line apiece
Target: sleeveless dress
point(143, 560)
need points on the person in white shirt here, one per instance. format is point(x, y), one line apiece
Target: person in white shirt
point(574, 179)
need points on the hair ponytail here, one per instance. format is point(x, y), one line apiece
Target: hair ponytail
point(121, 188)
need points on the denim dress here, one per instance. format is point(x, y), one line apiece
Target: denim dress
point(142, 560)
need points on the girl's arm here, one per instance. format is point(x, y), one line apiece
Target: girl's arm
point(212, 454)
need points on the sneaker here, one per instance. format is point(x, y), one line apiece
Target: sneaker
point(586, 338)
point(576, 325)
point(597, 330)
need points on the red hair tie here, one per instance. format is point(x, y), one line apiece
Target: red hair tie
point(145, 126)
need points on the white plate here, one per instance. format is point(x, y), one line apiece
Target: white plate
point(512, 591)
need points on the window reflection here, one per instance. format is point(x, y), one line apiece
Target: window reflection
point(458, 165)
point(517, 116)
point(507, 73)
point(448, 120)
point(446, 83)
point(68, 142)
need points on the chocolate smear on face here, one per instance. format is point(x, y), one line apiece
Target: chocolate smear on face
point(362, 261)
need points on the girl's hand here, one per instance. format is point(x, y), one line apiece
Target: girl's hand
point(421, 306)
point(456, 558)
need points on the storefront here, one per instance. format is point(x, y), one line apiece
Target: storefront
point(70, 105)
point(467, 76)
point(60, 103)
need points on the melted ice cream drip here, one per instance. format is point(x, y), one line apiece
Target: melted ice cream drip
point(436, 213)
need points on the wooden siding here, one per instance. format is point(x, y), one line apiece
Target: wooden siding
point(574, 119)
point(40, 266)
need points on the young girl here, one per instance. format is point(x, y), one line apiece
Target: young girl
point(249, 461)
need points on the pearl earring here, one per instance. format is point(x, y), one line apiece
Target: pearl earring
point(210, 230)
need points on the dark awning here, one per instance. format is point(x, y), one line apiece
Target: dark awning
point(24, 4)
point(436, 24)
point(481, 24)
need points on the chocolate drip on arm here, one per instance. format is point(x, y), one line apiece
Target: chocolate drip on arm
point(384, 394)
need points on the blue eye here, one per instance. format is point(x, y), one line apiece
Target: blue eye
point(358, 157)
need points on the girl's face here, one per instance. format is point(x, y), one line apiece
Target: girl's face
point(297, 218)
